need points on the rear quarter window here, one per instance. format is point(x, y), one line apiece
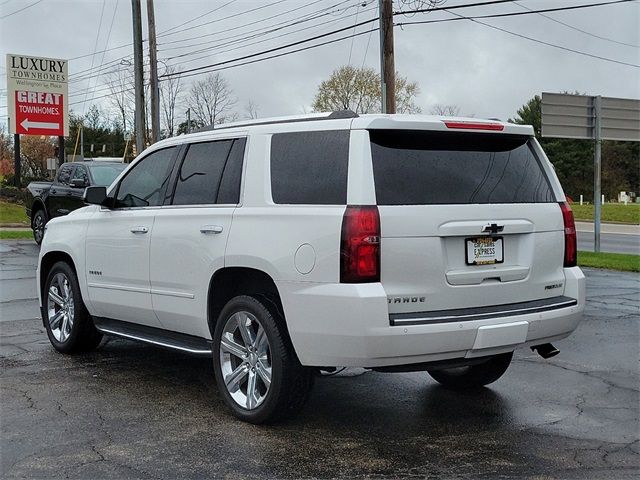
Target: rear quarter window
point(431, 168)
point(310, 167)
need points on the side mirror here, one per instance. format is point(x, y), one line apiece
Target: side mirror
point(78, 183)
point(96, 195)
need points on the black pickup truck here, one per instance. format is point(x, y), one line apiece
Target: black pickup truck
point(47, 200)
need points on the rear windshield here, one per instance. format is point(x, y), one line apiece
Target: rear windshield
point(432, 168)
point(104, 175)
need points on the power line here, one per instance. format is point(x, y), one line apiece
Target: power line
point(436, 9)
point(21, 10)
point(366, 50)
point(224, 18)
point(579, 29)
point(244, 45)
point(308, 16)
point(95, 45)
point(310, 39)
point(606, 59)
point(354, 31)
point(106, 44)
point(371, 20)
point(200, 36)
point(233, 39)
point(200, 16)
point(250, 60)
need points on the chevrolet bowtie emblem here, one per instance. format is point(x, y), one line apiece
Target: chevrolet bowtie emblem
point(492, 228)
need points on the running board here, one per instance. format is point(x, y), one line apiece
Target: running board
point(181, 342)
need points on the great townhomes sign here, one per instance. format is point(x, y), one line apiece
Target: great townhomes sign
point(37, 94)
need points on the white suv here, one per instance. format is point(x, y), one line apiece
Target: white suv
point(282, 248)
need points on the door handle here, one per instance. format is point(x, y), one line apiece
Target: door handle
point(138, 230)
point(54, 191)
point(211, 229)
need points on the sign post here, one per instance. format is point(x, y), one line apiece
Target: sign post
point(37, 97)
point(591, 118)
point(597, 171)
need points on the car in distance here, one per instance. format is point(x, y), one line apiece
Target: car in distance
point(47, 200)
point(285, 247)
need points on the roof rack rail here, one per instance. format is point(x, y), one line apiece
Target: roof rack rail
point(338, 114)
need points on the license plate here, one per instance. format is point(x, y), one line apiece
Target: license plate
point(484, 250)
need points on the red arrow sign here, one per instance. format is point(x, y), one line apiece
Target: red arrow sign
point(39, 113)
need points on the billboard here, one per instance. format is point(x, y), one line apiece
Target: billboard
point(574, 116)
point(37, 95)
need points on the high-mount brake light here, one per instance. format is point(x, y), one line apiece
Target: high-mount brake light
point(360, 245)
point(570, 239)
point(495, 127)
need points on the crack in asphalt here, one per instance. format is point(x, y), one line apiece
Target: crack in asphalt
point(582, 372)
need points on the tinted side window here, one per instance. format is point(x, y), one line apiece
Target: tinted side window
point(201, 172)
point(432, 168)
point(144, 184)
point(64, 174)
point(230, 185)
point(310, 167)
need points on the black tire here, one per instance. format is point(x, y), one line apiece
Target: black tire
point(473, 377)
point(290, 384)
point(81, 335)
point(38, 221)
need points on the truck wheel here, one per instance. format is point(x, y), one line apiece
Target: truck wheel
point(473, 376)
point(69, 325)
point(38, 222)
point(257, 372)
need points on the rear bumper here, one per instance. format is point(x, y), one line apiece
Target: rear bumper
point(349, 325)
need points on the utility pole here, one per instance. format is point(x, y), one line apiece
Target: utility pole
point(139, 75)
point(60, 150)
point(153, 73)
point(188, 120)
point(387, 62)
point(597, 168)
point(16, 160)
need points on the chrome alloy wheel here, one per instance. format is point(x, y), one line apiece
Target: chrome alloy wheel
point(245, 360)
point(60, 307)
point(38, 227)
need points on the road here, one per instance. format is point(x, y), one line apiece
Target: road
point(614, 238)
point(131, 411)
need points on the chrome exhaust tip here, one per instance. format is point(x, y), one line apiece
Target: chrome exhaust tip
point(546, 350)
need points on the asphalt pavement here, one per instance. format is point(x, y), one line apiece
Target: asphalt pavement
point(614, 238)
point(131, 411)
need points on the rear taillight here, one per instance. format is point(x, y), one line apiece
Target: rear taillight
point(570, 240)
point(360, 245)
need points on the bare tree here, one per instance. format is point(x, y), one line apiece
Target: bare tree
point(120, 83)
point(445, 110)
point(170, 92)
point(211, 100)
point(251, 110)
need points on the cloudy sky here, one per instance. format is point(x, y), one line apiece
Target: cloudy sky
point(485, 71)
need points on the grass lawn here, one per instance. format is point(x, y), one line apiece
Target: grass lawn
point(611, 212)
point(611, 261)
point(16, 235)
point(13, 213)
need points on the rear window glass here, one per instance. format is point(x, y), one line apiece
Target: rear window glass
point(310, 167)
point(431, 168)
point(104, 175)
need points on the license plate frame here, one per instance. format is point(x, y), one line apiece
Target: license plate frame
point(495, 242)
